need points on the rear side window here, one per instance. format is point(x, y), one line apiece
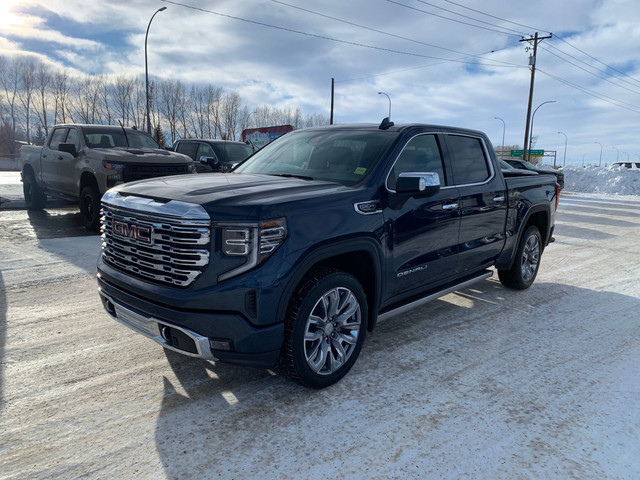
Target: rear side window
point(187, 148)
point(468, 160)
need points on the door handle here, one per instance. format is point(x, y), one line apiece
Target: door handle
point(498, 199)
point(449, 206)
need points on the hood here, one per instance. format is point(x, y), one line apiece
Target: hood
point(138, 155)
point(225, 192)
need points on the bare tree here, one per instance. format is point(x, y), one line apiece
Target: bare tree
point(27, 71)
point(10, 82)
point(62, 112)
point(230, 115)
point(167, 100)
point(43, 84)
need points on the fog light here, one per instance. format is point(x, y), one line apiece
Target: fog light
point(219, 344)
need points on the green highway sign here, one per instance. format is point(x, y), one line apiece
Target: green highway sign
point(533, 153)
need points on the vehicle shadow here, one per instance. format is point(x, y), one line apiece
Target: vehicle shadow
point(58, 223)
point(222, 421)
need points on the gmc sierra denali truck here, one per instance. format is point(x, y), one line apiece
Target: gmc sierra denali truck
point(81, 162)
point(289, 259)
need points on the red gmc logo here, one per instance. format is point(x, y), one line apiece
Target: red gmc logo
point(131, 230)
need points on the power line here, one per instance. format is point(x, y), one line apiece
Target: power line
point(453, 20)
point(391, 34)
point(324, 37)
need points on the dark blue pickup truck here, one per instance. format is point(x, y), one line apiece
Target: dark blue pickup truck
point(293, 256)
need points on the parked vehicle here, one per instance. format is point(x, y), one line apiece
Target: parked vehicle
point(81, 162)
point(524, 165)
point(630, 165)
point(295, 254)
point(213, 155)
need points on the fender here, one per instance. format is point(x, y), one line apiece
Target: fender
point(507, 256)
point(322, 254)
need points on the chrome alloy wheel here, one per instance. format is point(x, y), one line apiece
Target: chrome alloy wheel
point(332, 329)
point(530, 258)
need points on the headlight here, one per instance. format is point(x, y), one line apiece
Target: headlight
point(115, 172)
point(253, 241)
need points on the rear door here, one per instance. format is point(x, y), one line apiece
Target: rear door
point(422, 232)
point(482, 202)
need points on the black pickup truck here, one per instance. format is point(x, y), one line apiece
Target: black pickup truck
point(290, 258)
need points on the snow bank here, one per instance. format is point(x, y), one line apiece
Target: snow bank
point(612, 180)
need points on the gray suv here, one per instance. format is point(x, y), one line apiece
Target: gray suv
point(213, 155)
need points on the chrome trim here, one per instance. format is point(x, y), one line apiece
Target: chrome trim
point(429, 298)
point(173, 208)
point(356, 207)
point(150, 328)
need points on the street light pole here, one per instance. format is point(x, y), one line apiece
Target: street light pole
point(382, 93)
point(531, 130)
point(617, 153)
point(599, 161)
point(504, 127)
point(564, 159)
point(146, 68)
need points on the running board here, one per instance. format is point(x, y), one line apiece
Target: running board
point(440, 293)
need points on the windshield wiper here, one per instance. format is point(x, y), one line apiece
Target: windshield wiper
point(290, 175)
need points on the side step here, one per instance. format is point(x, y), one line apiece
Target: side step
point(440, 293)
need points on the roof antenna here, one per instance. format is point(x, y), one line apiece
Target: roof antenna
point(385, 124)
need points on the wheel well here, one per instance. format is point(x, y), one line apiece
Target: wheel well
point(88, 180)
point(361, 265)
point(27, 170)
point(540, 220)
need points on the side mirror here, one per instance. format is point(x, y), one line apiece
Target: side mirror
point(209, 161)
point(418, 184)
point(68, 148)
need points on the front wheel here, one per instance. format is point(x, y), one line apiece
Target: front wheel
point(527, 262)
point(34, 197)
point(325, 328)
point(90, 208)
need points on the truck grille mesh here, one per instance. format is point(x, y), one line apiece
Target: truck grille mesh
point(165, 250)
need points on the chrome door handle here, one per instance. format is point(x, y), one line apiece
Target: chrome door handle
point(450, 206)
point(498, 199)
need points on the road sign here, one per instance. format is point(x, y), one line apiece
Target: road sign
point(532, 153)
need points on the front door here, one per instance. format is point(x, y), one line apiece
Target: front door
point(422, 232)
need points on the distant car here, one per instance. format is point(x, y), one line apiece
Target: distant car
point(213, 155)
point(524, 165)
point(632, 165)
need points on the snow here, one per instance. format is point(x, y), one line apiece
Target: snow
point(610, 180)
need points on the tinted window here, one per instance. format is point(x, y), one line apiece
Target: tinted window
point(57, 137)
point(205, 150)
point(421, 155)
point(74, 138)
point(187, 148)
point(468, 161)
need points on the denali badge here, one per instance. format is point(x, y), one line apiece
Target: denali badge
point(131, 230)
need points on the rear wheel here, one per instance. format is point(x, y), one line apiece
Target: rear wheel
point(527, 262)
point(90, 207)
point(34, 197)
point(325, 328)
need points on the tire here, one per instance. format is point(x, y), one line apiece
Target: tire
point(527, 262)
point(90, 208)
point(34, 197)
point(325, 328)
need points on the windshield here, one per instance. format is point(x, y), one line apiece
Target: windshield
point(341, 156)
point(109, 137)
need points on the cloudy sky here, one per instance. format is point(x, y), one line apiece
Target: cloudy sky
point(446, 62)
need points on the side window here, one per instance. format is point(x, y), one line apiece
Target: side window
point(468, 160)
point(187, 148)
point(421, 154)
point(74, 138)
point(205, 150)
point(57, 137)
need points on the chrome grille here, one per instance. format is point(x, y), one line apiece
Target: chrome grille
point(160, 248)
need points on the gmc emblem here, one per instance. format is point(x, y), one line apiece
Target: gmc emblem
point(131, 230)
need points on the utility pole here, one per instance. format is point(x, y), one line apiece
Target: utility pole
point(532, 63)
point(332, 87)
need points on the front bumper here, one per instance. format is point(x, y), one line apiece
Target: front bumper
point(211, 335)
